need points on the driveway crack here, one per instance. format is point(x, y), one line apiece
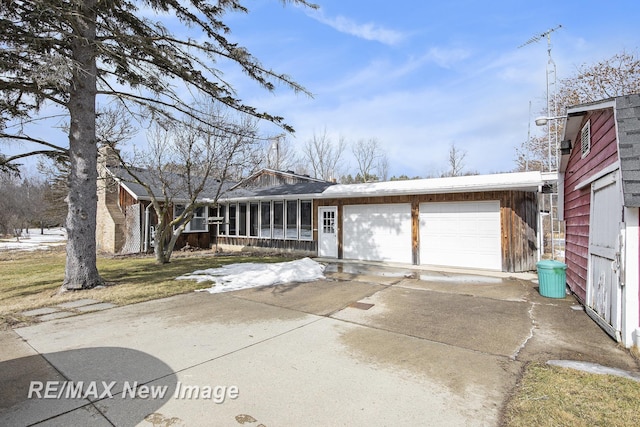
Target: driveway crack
point(526, 340)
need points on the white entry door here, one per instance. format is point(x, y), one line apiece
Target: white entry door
point(328, 232)
point(603, 284)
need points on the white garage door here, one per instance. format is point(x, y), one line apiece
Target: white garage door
point(377, 232)
point(461, 234)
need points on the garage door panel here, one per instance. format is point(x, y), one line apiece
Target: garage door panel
point(461, 234)
point(377, 232)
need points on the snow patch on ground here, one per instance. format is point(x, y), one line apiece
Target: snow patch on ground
point(594, 368)
point(234, 277)
point(34, 241)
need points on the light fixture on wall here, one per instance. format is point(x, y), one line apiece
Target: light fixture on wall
point(542, 121)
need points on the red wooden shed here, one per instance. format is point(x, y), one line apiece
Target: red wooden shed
point(600, 189)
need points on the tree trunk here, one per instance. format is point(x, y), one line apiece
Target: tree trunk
point(81, 271)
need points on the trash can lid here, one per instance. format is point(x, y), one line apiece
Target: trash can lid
point(550, 263)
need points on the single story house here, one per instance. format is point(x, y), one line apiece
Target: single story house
point(599, 188)
point(483, 221)
point(488, 222)
point(126, 219)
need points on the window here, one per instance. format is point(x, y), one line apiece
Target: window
point(242, 219)
point(292, 219)
point(253, 219)
point(232, 219)
point(265, 219)
point(199, 221)
point(585, 139)
point(305, 220)
point(222, 228)
point(278, 220)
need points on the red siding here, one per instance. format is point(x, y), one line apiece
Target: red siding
point(577, 203)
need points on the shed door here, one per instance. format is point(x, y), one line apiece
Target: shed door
point(377, 232)
point(328, 232)
point(603, 285)
point(461, 234)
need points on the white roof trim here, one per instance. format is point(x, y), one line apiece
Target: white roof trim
point(600, 105)
point(529, 181)
point(265, 198)
point(606, 171)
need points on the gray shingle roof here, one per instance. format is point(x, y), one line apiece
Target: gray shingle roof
point(175, 184)
point(229, 190)
point(628, 121)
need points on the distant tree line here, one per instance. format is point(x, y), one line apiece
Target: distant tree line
point(29, 202)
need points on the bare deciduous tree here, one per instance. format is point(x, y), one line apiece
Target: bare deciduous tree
point(22, 203)
point(615, 76)
point(456, 161)
point(281, 155)
point(183, 160)
point(383, 168)
point(368, 155)
point(324, 156)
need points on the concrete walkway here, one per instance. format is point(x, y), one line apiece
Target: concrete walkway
point(368, 346)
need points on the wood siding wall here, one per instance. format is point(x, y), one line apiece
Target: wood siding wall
point(577, 203)
point(271, 179)
point(125, 199)
point(518, 221)
point(276, 244)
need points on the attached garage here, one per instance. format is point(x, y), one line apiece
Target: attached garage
point(461, 234)
point(377, 232)
point(483, 221)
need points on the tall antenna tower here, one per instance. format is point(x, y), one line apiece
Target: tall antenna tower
point(552, 107)
point(552, 131)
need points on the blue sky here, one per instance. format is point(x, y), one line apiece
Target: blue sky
point(421, 75)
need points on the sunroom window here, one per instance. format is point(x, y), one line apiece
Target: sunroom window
point(305, 220)
point(253, 219)
point(199, 221)
point(278, 220)
point(232, 219)
point(242, 219)
point(265, 219)
point(292, 219)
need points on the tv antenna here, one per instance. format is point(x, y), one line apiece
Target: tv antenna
point(539, 37)
point(552, 132)
point(551, 95)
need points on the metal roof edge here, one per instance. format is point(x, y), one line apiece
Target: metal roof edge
point(264, 198)
point(517, 180)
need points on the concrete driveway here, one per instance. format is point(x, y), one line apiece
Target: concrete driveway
point(369, 346)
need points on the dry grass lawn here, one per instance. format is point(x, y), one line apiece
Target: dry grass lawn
point(554, 396)
point(30, 280)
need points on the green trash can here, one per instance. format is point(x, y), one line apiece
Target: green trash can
point(552, 277)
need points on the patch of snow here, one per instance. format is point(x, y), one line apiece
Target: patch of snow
point(594, 368)
point(234, 277)
point(34, 241)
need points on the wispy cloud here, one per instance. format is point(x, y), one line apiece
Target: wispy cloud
point(446, 57)
point(368, 31)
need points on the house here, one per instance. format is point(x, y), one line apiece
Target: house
point(126, 219)
point(487, 222)
point(484, 221)
point(599, 182)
